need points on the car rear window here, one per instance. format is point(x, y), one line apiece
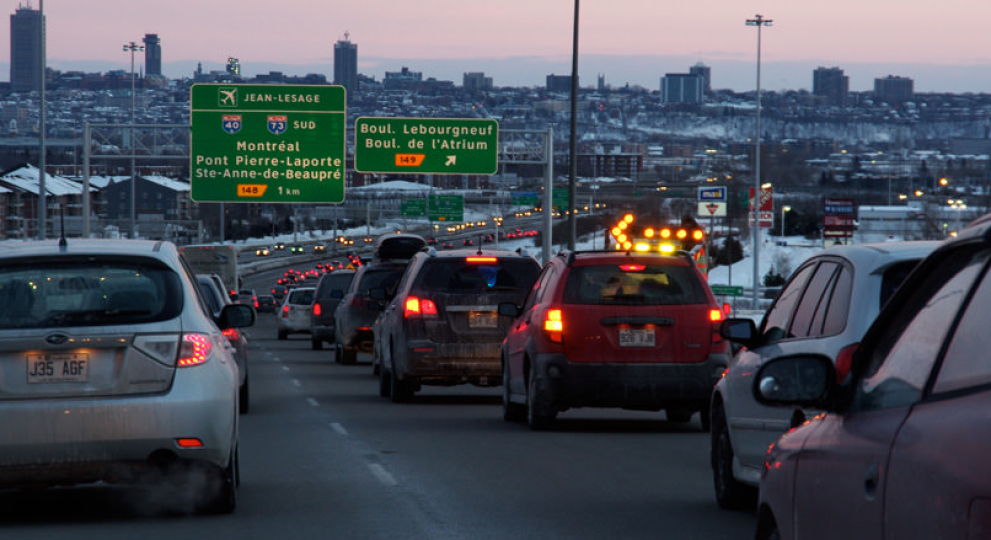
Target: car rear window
point(476, 274)
point(301, 297)
point(337, 281)
point(386, 277)
point(633, 284)
point(96, 292)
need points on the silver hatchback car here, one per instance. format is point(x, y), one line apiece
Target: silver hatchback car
point(113, 369)
point(826, 305)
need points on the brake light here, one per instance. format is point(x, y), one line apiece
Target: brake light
point(416, 307)
point(632, 267)
point(195, 350)
point(715, 315)
point(285, 311)
point(480, 259)
point(232, 334)
point(554, 325)
point(316, 309)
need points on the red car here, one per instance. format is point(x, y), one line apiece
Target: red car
point(614, 329)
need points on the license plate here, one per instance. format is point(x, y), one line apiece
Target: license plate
point(58, 368)
point(483, 319)
point(636, 337)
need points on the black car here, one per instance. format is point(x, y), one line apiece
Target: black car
point(330, 292)
point(442, 327)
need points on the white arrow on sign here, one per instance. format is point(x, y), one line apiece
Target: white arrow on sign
point(451, 160)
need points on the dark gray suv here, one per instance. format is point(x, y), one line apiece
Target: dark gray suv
point(330, 292)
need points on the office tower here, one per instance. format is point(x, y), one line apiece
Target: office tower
point(559, 83)
point(682, 88)
point(346, 64)
point(893, 89)
point(704, 71)
point(476, 82)
point(233, 67)
point(831, 84)
point(27, 48)
point(153, 55)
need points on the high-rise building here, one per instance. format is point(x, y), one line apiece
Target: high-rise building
point(27, 47)
point(682, 88)
point(558, 83)
point(893, 89)
point(704, 71)
point(476, 81)
point(233, 67)
point(831, 84)
point(346, 64)
point(153, 55)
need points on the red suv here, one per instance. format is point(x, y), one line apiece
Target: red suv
point(613, 329)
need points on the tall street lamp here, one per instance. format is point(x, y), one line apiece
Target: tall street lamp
point(784, 209)
point(133, 48)
point(759, 21)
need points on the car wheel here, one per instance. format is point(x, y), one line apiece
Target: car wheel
point(538, 420)
point(337, 354)
point(385, 383)
point(349, 356)
point(243, 397)
point(400, 391)
point(731, 494)
point(223, 496)
point(316, 344)
point(511, 412)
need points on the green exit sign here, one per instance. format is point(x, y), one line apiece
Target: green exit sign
point(727, 290)
point(267, 143)
point(448, 208)
point(426, 145)
point(414, 208)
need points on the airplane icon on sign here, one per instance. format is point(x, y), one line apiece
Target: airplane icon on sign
point(229, 97)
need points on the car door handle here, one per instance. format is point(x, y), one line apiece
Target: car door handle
point(871, 481)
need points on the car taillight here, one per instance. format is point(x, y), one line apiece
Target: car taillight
point(232, 334)
point(554, 325)
point(285, 311)
point(195, 350)
point(416, 307)
point(316, 309)
point(716, 316)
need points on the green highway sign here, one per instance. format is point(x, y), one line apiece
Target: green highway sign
point(426, 145)
point(727, 290)
point(559, 198)
point(526, 199)
point(267, 143)
point(414, 208)
point(446, 208)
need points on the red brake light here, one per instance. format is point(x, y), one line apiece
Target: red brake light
point(285, 310)
point(195, 350)
point(316, 309)
point(481, 259)
point(632, 267)
point(232, 334)
point(715, 315)
point(415, 307)
point(554, 325)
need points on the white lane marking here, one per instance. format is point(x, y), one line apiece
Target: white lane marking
point(382, 474)
point(285, 368)
point(296, 383)
point(338, 428)
point(312, 402)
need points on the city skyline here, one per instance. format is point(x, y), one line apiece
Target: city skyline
point(627, 41)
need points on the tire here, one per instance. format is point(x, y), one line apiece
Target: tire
point(537, 420)
point(731, 494)
point(400, 391)
point(243, 398)
point(222, 495)
point(511, 412)
point(385, 384)
point(349, 356)
point(316, 344)
point(338, 357)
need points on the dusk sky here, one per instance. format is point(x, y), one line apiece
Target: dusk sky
point(943, 46)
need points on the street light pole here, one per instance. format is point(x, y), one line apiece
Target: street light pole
point(759, 21)
point(784, 209)
point(133, 47)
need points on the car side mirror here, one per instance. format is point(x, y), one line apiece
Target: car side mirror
point(804, 381)
point(742, 331)
point(236, 316)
